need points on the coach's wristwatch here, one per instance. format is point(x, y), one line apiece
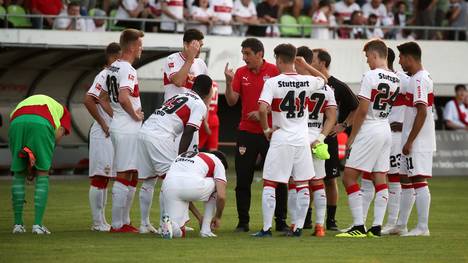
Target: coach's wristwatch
point(344, 124)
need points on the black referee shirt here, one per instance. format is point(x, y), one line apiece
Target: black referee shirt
point(345, 98)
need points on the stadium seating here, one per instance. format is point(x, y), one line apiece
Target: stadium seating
point(16, 16)
point(289, 26)
point(306, 21)
point(111, 23)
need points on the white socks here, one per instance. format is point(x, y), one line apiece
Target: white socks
point(128, 205)
point(380, 204)
point(423, 203)
point(119, 201)
point(355, 204)
point(210, 207)
point(406, 203)
point(320, 203)
point(367, 190)
point(292, 203)
point(146, 199)
point(303, 201)
point(268, 206)
point(96, 202)
point(393, 206)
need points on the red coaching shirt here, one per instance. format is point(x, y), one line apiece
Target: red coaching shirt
point(249, 85)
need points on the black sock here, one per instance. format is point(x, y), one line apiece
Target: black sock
point(331, 211)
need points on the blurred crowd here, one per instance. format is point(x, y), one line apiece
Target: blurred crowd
point(345, 19)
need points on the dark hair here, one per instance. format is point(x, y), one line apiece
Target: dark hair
point(410, 49)
point(202, 85)
point(390, 58)
point(128, 36)
point(372, 16)
point(112, 49)
point(323, 3)
point(192, 34)
point(222, 157)
point(378, 46)
point(286, 52)
point(254, 44)
point(460, 87)
point(197, 3)
point(324, 56)
point(74, 3)
point(355, 13)
point(306, 53)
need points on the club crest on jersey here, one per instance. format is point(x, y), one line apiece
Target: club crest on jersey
point(131, 77)
point(242, 150)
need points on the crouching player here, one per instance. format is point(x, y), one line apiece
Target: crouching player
point(194, 177)
point(37, 123)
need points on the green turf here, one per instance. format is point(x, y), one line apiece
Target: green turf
point(68, 217)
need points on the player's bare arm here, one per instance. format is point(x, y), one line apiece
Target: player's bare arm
point(104, 101)
point(206, 126)
point(263, 116)
point(421, 112)
point(302, 64)
point(329, 124)
point(196, 213)
point(126, 104)
point(186, 138)
point(220, 203)
point(180, 77)
point(231, 96)
point(359, 117)
point(91, 103)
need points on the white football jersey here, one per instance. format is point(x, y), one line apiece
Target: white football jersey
point(222, 9)
point(346, 11)
point(380, 87)
point(288, 94)
point(397, 112)
point(176, 7)
point(198, 164)
point(121, 75)
point(319, 101)
point(95, 90)
point(244, 11)
point(177, 112)
point(420, 90)
point(174, 63)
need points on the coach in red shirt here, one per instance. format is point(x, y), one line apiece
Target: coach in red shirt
point(247, 84)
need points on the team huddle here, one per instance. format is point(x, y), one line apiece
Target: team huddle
point(297, 111)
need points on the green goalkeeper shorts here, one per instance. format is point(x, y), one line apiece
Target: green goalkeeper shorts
point(37, 134)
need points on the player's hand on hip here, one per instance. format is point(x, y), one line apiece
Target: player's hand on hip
point(253, 116)
point(139, 115)
point(105, 129)
point(407, 148)
point(215, 223)
point(228, 73)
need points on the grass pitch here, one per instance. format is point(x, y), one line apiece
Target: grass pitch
point(68, 217)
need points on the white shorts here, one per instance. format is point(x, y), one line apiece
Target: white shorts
point(417, 164)
point(319, 168)
point(179, 191)
point(101, 153)
point(395, 153)
point(283, 161)
point(125, 151)
point(370, 151)
point(155, 155)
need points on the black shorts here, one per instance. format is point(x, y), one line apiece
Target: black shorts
point(332, 165)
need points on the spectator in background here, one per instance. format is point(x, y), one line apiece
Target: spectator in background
point(357, 19)
point(268, 12)
point(375, 7)
point(245, 13)
point(223, 13)
point(456, 112)
point(202, 14)
point(401, 19)
point(375, 32)
point(172, 17)
point(95, 24)
point(389, 19)
point(424, 14)
point(134, 9)
point(457, 17)
point(304, 7)
point(209, 133)
point(321, 17)
point(45, 7)
point(344, 9)
point(70, 19)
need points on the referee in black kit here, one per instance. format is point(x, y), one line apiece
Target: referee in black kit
point(347, 103)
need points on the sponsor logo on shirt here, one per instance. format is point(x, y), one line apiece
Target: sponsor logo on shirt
point(171, 65)
point(98, 87)
point(131, 77)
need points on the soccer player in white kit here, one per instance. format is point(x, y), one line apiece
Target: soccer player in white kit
point(418, 143)
point(180, 116)
point(101, 151)
point(194, 176)
point(370, 139)
point(127, 117)
point(321, 103)
point(181, 68)
point(289, 153)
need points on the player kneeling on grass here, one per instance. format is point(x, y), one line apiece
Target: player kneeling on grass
point(37, 124)
point(194, 177)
